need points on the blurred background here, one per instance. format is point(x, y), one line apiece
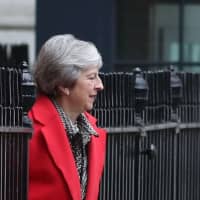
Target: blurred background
point(129, 34)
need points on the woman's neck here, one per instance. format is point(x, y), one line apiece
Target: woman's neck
point(66, 108)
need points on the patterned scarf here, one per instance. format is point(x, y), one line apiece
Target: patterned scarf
point(79, 135)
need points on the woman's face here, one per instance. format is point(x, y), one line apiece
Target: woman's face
point(83, 94)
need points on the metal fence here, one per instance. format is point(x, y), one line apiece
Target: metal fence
point(14, 135)
point(14, 163)
point(153, 124)
point(153, 151)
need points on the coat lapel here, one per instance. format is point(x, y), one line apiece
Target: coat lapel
point(61, 153)
point(95, 165)
point(58, 145)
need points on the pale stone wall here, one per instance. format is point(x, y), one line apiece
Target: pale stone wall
point(17, 24)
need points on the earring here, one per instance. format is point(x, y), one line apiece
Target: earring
point(66, 91)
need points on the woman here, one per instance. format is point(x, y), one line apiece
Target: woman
point(67, 150)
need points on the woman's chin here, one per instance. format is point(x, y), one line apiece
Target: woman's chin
point(89, 107)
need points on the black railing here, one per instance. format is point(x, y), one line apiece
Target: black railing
point(153, 134)
point(14, 135)
point(152, 155)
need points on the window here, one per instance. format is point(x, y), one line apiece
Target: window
point(157, 33)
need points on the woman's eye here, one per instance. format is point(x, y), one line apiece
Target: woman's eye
point(91, 77)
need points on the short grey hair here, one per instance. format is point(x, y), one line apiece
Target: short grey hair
point(60, 61)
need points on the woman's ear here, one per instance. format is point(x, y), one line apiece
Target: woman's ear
point(63, 90)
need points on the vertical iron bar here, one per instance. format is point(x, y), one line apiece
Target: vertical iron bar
point(137, 167)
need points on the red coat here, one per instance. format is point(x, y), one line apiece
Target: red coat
point(52, 171)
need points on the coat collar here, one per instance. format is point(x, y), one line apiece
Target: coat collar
point(59, 148)
point(47, 113)
point(41, 113)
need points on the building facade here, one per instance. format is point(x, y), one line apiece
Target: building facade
point(129, 34)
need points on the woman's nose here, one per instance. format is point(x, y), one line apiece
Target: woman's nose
point(99, 84)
